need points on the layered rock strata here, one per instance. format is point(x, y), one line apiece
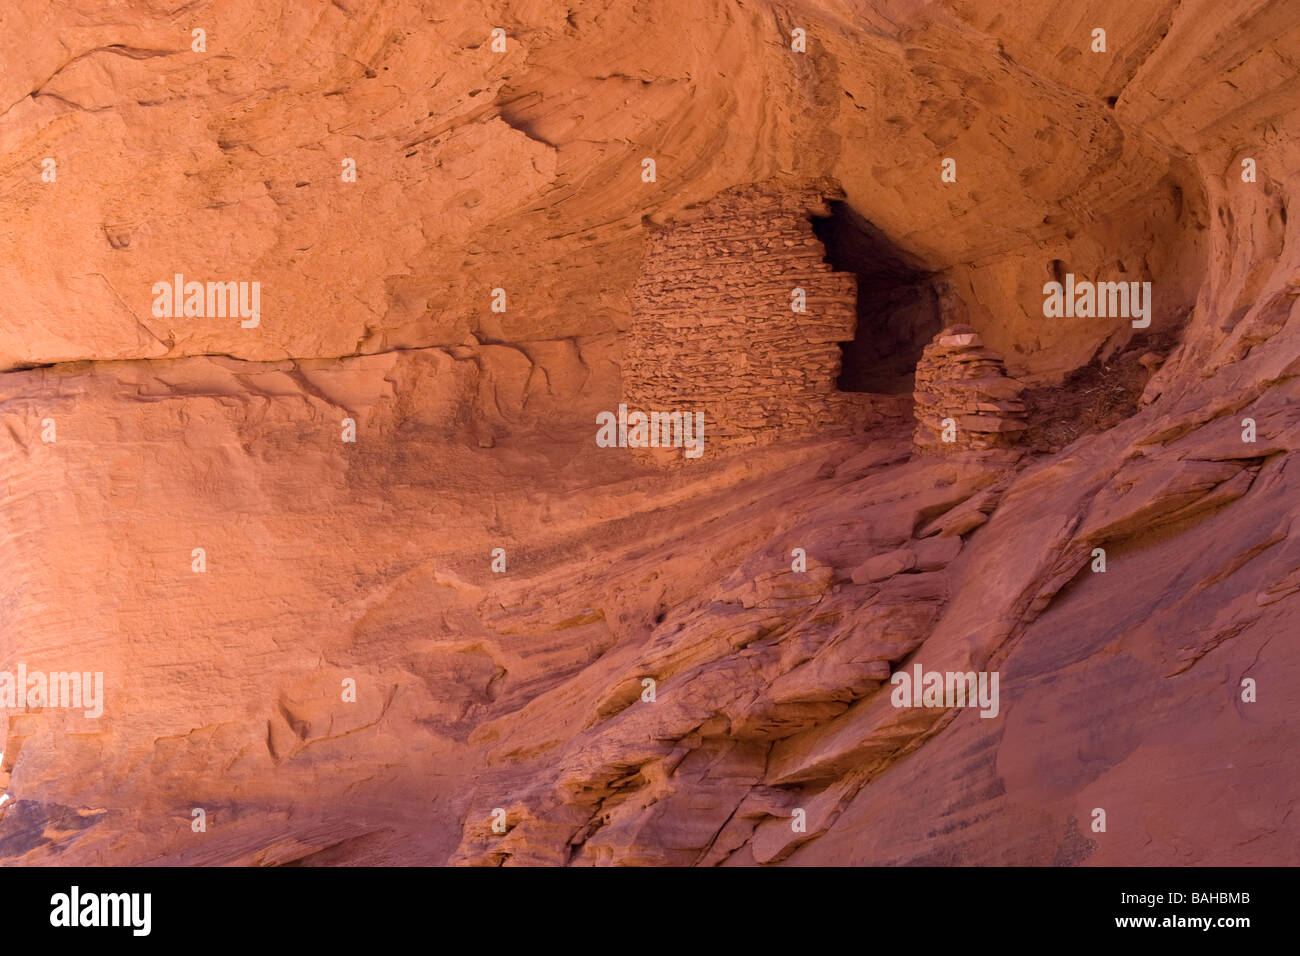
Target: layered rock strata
point(964, 399)
point(1163, 688)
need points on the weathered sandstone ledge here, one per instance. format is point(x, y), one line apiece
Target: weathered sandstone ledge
point(431, 645)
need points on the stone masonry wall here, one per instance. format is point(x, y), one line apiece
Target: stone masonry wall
point(712, 326)
point(958, 379)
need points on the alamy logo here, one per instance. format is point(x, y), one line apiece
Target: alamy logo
point(70, 689)
point(103, 909)
point(199, 300)
point(946, 689)
point(683, 430)
point(1086, 300)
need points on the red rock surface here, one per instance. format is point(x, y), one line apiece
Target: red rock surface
point(769, 590)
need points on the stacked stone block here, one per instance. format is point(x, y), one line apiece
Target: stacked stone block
point(712, 326)
point(959, 379)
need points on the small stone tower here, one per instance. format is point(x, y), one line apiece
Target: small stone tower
point(963, 393)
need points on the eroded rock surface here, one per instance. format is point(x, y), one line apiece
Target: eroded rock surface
point(567, 654)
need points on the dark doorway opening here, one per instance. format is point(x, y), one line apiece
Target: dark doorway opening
point(898, 304)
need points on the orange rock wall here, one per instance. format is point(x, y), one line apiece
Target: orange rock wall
point(767, 593)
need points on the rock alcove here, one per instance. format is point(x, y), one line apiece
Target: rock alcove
point(768, 594)
point(899, 303)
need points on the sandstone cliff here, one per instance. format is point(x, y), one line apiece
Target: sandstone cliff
point(472, 635)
